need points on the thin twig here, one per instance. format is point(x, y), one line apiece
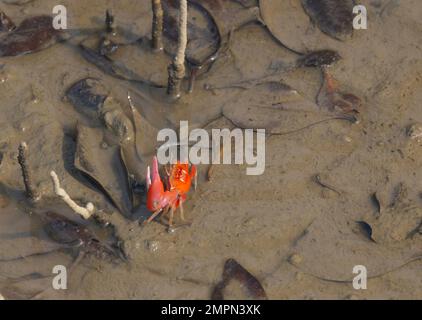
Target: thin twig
point(157, 25)
point(31, 191)
point(177, 70)
point(85, 213)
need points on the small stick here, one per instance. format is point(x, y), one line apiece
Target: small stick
point(85, 213)
point(157, 25)
point(177, 70)
point(31, 190)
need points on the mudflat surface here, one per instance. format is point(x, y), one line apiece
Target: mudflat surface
point(294, 227)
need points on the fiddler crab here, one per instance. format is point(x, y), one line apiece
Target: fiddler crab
point(166, 199)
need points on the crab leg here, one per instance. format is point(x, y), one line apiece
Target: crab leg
point(152, 217)
point(171, 216)
point(182, 214)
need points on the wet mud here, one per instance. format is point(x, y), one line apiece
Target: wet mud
point(342, 181)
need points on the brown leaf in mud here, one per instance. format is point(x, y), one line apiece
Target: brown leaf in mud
point(334, 17)
point(234, 271)
point(319, 58)
point(32, 35)
point(104, 166)
point(290, 24)
point(331, 97)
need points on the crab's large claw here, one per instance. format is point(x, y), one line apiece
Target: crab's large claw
point(155, 189)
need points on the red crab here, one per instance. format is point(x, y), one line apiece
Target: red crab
point(169, 198)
